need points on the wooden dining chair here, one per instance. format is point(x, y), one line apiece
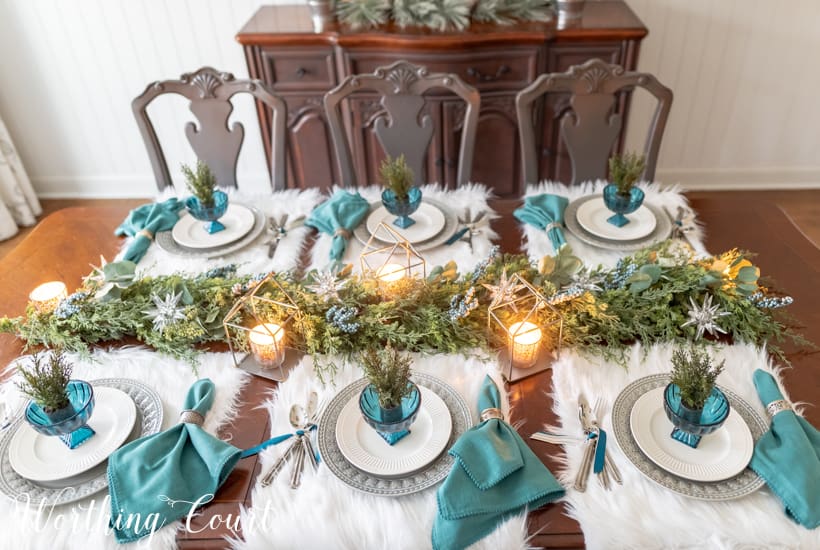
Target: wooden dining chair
point(590, 120)
point(210, 92)
point(399, 125)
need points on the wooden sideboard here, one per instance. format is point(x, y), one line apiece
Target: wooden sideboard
point(302, 63)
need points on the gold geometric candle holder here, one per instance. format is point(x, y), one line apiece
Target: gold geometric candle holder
point(530, 327)
point(259, 330)
point(390, 259)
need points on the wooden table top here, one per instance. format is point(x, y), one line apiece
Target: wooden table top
point(64, 245)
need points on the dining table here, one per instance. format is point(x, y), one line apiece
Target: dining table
point(65, 244)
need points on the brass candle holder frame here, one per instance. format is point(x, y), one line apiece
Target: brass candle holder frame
point(379, 253)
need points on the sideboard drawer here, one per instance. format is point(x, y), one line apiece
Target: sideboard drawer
point(488, 70)
point(299, 70)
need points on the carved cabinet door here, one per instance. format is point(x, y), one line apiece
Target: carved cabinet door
point(311, 159)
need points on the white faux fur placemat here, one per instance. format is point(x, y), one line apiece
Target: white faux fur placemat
point(641, 514)
point(470, 198)
point(85, 523)
point(538, 244)
point(253, 258)
point(325, 513)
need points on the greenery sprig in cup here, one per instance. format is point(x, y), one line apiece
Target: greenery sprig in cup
point(397, 176)
point(695, 374)
point(388, 370)
point(200, 182)
point(625, 171)
point(46, 381)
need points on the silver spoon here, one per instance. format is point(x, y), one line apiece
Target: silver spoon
point(306, 423)
point(297, 415)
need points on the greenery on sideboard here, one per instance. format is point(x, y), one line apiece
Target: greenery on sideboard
point(648, 297)
point(440, 15)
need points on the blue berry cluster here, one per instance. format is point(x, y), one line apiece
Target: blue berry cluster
point(770, 302)
point(482, 266)
point(342, 317)
point(222, 272)
point(617, 278)
point(70, 306)
point(565, 295)
point(461, 306)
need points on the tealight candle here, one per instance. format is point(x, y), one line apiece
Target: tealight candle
point(266, 344)
point(390, 273)
point(526, 338)
point(45, 297)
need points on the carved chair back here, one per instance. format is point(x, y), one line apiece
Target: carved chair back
point(214, 143)
point(590, 124)
point(400, 127)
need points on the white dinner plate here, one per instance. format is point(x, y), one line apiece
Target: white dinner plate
point(190, 232)
point(592, 216)
point(366, 450)
point(45, 458)
point(429, 223)
point(720, 455)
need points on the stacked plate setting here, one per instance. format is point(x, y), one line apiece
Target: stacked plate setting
point(715, 470)
point(40, 469)
point(359, 457)
point(435, 223)
point(243, 225)
point(586, 219)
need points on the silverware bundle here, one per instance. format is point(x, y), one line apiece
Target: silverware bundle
point(304, 420)
point(278, 230)
point(470, 227)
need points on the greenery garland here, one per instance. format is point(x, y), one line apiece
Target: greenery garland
point(439, 15)
point(647, 297)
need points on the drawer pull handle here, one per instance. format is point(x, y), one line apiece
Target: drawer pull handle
point(300, 72)
point(476, 73)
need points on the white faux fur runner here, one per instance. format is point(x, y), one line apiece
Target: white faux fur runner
point(324, 513)
point(85, 523)
point(538, 244)
point(470, 199)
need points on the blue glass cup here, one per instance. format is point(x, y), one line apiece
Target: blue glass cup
point(621, 204)
point(402, 207)
point(209, 214)
point(70, 423)
point(692, 424)
point(393, 420)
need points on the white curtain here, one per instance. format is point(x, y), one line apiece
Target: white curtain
point(18, 203)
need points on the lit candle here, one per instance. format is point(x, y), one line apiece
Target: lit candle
point(266, 344)
point(526, 338)
point(45, 297)
point(390, 273)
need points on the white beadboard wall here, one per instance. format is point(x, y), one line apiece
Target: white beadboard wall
point(744, 114)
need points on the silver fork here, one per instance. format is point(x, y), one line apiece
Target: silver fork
point(610, 471)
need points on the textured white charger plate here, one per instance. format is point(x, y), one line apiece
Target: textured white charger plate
point(742, 484)
point(166, 241)
point(450, 226)
point(405, 485)
point(190, 232)
point(663, 228)
point(720, 455)
point(46, 458)
point(20, 489)
point(593, 215)
point(365, 449)
point(429, 223)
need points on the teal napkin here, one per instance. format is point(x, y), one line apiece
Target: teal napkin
point(495, 476)
point(152, 218)
point(338, 216)
point(545, 212)
point(787, 457)
point(162, 476)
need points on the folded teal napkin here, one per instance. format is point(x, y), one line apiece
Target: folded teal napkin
point(146, 221)
point(495, 476)
point(787, 457)
point(338, 216)
point(545, 212)
point(159, 478)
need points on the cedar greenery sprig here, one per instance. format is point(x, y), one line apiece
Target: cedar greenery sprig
point(389, 372)
point(695, 375)
point(624, 170)
point(397, 176)
point(45, 382)
point(201, 183)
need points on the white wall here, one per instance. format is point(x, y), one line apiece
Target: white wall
point(741, 70)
